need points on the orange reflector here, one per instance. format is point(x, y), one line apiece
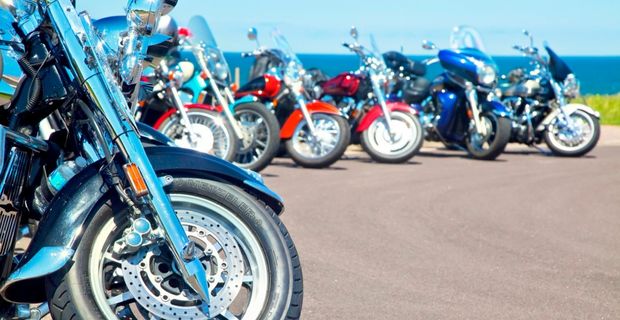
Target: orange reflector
point(171, 76)
point(234, 87)
point(275, 103)
point(470, 114)
point(135, 179)
point(204, 75)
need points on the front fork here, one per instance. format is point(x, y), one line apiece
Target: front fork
point(381, 99)
point(107, 98)
point(472, 98)
point(185, 121)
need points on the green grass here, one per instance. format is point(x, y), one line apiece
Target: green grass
point(608, 106)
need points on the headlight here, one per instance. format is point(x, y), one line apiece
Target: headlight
point(221, 71)
point(571, 87)
point(487, 75)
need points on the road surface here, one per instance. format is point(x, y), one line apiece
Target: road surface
point(444, 237)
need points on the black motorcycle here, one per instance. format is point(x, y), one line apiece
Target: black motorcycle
point(543, 109)
point(120, 230)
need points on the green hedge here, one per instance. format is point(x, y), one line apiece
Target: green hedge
point(608, 106)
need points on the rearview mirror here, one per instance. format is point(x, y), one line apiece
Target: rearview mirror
point(530, 36)
point(428, 45)
point(168, 6)
point(354, 33)
point(252, 34)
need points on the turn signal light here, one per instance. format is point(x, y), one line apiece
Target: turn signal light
point(470, 114)
point(135, 180)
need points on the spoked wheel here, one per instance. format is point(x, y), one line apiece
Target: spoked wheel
point(209, 133)
point(573, 138)
point(252, 265)
point(323, 149)
point(405, 142)
point(491, 145)
point(261, 136)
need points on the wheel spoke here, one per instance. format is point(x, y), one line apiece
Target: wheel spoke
point(229, 315)
point(125, 296)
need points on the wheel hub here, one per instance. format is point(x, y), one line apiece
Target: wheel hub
point(152, 276)
point(204, 139)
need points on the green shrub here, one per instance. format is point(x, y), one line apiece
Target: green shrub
point(607, 105)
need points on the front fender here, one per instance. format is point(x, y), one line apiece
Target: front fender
point(288, 129)
point(569, 109)
point(174, 111)
point(376, 112)
point(498, 108)
point(60, 230)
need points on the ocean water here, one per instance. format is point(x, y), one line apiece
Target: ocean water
point(598, 75)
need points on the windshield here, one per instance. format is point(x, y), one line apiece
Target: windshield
point(376, 53)
point(201, 36)
point(464, 37)
point(559, 69)
point(293, 68)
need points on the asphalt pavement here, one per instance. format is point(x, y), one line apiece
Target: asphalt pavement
point(528, 236)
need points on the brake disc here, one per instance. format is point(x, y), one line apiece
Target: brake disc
point(153, 278)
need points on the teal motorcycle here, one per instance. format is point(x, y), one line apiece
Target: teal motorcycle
point(208, 83)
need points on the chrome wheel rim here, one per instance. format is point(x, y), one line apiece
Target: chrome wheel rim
point(210, 134)
point(574, 135)
point(404, 135)
point(238, 272)
point(256, 137)
point(323, 143)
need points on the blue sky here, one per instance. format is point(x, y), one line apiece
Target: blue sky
point(572, 27)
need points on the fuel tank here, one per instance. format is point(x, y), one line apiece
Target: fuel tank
point(345, 84)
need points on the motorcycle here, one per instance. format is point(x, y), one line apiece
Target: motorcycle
point(316, 135)
point(119, 230)
point(389, 131)
point(462, 111)
point(207, 82)
point(198, 126)
point(541, 101)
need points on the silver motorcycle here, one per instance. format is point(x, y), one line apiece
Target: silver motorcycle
point(542, 102)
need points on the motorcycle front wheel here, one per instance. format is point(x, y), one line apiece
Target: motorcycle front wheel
point(325, 147)
point(489, 147)
point(209, 133)
point(406, 141)
point(576, 139)
point(261, 136)
point(253, 267)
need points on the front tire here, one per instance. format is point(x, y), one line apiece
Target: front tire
point(261, 136)
point(213, 134)
point(566, 142)
point(491, 146)
point(263, 273)
point(333, 137)
point(408, 138)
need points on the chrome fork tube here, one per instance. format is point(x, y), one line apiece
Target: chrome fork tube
point(472, 98)
point(381, 99)
point(193, 137)
point(304, 110)
point(218, 95)
point(109, 100)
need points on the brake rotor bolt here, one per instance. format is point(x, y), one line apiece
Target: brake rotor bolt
point(201, 233)
point(209, 251)
point(158, 279)
point(211, 279)
point(224, 265)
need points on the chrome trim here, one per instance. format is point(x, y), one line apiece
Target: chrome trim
point(109, 101)
point(46, 261)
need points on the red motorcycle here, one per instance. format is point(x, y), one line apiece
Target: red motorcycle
point(390, 132)
point(314, 132)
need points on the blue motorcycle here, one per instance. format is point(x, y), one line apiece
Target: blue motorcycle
point(459, 107)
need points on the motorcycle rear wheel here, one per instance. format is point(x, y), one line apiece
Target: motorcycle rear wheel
point(253, 266)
